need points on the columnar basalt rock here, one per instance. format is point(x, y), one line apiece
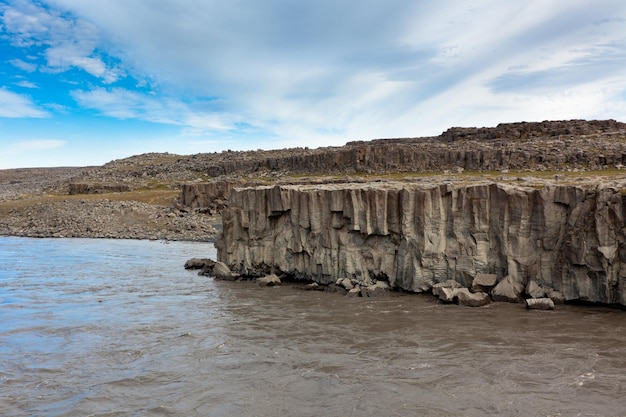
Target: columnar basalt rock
point(413, 236)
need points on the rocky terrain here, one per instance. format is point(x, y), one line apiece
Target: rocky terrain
point(53, 202)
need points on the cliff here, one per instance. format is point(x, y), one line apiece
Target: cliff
point(567, 237)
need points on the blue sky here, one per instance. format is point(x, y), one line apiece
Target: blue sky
point(86, 82)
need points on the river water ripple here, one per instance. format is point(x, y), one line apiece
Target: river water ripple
point(119, 328)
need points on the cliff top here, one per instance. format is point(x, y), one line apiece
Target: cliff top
point(542, 149)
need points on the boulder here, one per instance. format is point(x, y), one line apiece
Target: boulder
point(450, 283)
point(268, 281)
point(533, 290)
point(447, 295)
point(556, 297)
point(334, 288)
point(354, 292)
point(539, 304)
point(314, 286)
point(346, 283)
point(221, 271)
point(374, 291)
point(508, 290)
point(466, 298)
point(199, 263)
point(484, 282)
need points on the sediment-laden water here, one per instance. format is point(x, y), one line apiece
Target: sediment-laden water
point(119, 328)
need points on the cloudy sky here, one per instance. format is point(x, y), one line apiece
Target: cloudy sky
point(85, 82)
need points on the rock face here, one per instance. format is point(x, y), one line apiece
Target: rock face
point(97, 188)
point(413, 236)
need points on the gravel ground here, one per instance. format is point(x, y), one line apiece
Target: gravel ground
point(32, 204)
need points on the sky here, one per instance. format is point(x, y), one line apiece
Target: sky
point(86, 82)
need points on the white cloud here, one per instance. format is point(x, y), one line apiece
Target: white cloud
point(35, 145)
point(323, 72)
point(124, 104)
point(26, 84)
point(23, 65)
point(379, 69)
point(16, 106)
point(68, 43)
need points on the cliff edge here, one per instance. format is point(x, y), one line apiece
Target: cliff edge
point(567, 237)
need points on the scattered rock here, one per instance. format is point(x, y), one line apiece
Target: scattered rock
point(374, 291)
point(447, 295)
point(484, 282)
point(466, 298)
point(354, 292)
point(533, 290)
point(508, 290)
point(346, 283)
point(449, 284)
point(556, 297)
point(314, 286)
point(221, 271)
point(539, 304)
point(334, 288)
point(199, 263)
point(268, 281)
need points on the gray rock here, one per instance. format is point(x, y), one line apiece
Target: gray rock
point(466, 298)
point(539, 304)
point(355, 292)
point(374, 291)
point(198, 263)
point(556, 297)
point(314, 286)
point(533, 290)
point(484, 282)
point(268, 281)
point(334, 288)
point(447, 295)
point(346, 283)
point(449, 284)
point(221, 271)
point(508, 290)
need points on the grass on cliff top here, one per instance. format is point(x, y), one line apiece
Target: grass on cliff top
point(154, 196)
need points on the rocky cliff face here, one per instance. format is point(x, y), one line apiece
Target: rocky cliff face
point(567, 237)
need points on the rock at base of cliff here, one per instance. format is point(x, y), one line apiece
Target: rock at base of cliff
point(334, 288)
point(449, 284)
point(345, 283)
point(508, 290)
point(556, 297)
point(539, 304)
point(221, 271)
point(373, 291)
point(466, 298)
point(484, 282)
point(534, 290)
point(354, 292)
point(199, 263)
point(268, 281)
point(314, 286)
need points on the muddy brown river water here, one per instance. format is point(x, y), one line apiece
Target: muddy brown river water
point(119, 328)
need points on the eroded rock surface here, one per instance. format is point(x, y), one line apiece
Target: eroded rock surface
point(568, 238)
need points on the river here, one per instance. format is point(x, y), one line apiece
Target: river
point(119, 328)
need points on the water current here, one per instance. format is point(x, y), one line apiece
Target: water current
point(119, 328)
